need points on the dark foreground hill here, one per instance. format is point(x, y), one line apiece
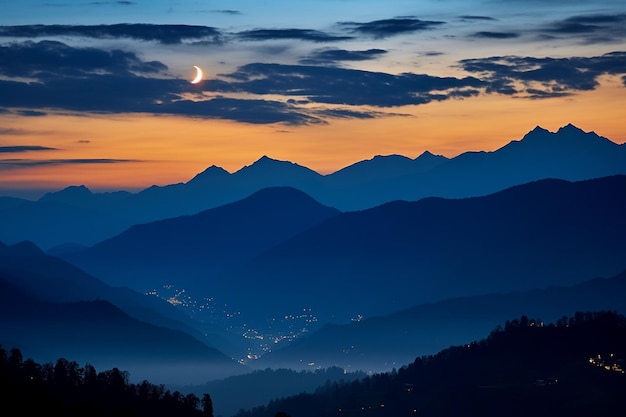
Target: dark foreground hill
point(574, 367)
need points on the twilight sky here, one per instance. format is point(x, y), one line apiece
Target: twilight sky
point(99, 93)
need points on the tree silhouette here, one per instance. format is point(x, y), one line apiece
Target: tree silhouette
point(207, 405)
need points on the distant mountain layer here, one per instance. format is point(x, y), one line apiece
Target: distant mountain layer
point(188, 250)
point(76, 215)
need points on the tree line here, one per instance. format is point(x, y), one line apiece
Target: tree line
point(66, 388)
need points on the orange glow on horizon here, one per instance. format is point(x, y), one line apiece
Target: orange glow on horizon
point(163, 150)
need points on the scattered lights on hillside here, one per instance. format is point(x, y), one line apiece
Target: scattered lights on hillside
point(259, 339)
point(611, 364)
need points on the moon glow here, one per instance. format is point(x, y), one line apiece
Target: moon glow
point(198, 75)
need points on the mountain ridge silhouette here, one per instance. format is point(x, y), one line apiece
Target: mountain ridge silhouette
point(76, 215)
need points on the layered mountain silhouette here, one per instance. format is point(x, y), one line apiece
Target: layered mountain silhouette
point(50, 309)
point(76, 215)
point(190, 251)
point(548, 232)
point(376, 261)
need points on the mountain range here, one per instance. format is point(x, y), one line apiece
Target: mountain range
point(367, 267)
point(75, 215)
point(339, 266)
point(186, 250)
point(548, 232)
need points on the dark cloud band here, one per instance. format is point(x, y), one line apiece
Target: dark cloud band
point(341, 86)
point(390, 27)
point(6, 164)
point(25, 148)
point(300, 34)
point(545, 77)
point(167, 34)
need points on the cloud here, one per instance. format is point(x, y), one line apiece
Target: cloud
point(166, 34)
point(81, 79)
point(52, 59)
point(6, 164)
point(545, 77)
point(121, 3)
point(301, 34)
point(332, 56)
point(23, 148)
point(12, 132)
point(390, 27)
point(242, 110)
point(496, 35)
point(31, 113)
point(332, 85)
point(91, 80)
point(479, 18)
point(592, 28)
point(230, 12)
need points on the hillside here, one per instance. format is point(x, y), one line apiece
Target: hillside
point(378, 344)
point(524, 368)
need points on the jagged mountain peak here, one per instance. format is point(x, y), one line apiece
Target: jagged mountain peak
point(211, 173)
point(270, 166)
point(71, 192)
point(565, 135)
point(569, 128)
point(427, 155)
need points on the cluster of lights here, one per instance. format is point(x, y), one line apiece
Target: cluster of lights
point(611, 364)
point(282, 329)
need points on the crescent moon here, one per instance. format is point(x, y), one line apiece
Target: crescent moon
point(198, 75)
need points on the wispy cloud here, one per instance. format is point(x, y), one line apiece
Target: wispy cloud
point(496, 35)
point(590, 28)
point(120, 3)
point(301, 34)
point(6, 164)
point(12, 132)
point(478, 18)
point(333, 56)
point(166, 34)
point(390, 27)
point(230, 12)
point(24, 148)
